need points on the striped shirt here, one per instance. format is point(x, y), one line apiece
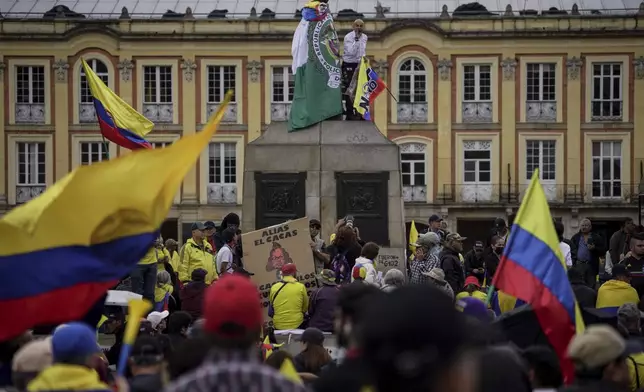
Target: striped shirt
point(233, 371)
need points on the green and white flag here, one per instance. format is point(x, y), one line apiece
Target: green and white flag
point(316, 66)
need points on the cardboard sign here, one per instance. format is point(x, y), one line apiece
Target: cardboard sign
point(267, 250)
point(389, 258)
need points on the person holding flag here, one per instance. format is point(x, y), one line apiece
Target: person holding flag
point(368, 87)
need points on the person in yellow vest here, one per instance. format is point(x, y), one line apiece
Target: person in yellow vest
point(617, 291)
point(144, 276)
point(197, 254)
point(472, 289)
point(288, 300)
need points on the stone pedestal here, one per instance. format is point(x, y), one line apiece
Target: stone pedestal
point(325, 172)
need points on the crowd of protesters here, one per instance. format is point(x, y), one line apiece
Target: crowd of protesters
point(435, 327)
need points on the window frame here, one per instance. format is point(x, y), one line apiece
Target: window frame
point(212, 170)
point(600, 158)
point(222, 82)
point(287, 74)
point(413, 75)
point(29, 173)
point(103, 148)
point(104, 76)
point(540, 158)
point(158, 87)
point(477, 82)
point(30, 82)
point(541, 81)
point(477, 169)
point(601, 77)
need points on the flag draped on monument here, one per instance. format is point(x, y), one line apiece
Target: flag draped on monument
point(316, 66)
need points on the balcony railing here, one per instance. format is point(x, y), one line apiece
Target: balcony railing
point(30, 113)
point(158, 112)
point(477, 112)
point(25, 193)
point(414, 193)
point(222, 193)
point(412, 112)
point(607, 110)
point(280, 111)
point(230, 116)
point(86, 113)
point(541, 111)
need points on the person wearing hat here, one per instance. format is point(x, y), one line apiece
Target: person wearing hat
point(75, 355)
point(323, 302)
point(474, 262)
point(599, 355)
point(193, 292)
point(472, 289)
point(173, 248)
point(629, 317)
point(233, 327)
point(545, 372)
point(231, 221)
point(146, 365)
point(436, 226)
point(315, 356)
point(437, 278)
point(617, 291)
point(317, 245)
point(289, 300)
point(209, 234)
point(158, 320)
point(29, 361)
point(426, 258)
point(197, 254)
point(450, 261)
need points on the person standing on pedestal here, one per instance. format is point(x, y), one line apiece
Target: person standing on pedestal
point(355, 47)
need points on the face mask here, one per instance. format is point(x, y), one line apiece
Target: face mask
point(499, 250)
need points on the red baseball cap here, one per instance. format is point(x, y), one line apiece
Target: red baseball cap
point(289, 269)
point(232, 307)
point(472, 280)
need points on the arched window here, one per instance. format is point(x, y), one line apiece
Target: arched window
point(412, 91)
point(413, 162)
point(86, 112)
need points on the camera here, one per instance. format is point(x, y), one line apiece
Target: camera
point(348, 220)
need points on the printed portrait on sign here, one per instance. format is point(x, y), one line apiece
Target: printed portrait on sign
point(277, 258)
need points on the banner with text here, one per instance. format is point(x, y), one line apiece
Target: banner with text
point(389, 258)
point(267, 250)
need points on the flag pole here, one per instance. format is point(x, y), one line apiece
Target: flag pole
point(106, 146)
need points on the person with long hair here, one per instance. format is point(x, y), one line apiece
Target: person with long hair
point(344, 249)
point(314, 357)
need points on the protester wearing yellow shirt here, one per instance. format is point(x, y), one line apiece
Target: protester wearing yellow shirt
point(144, 276)
point(617, 291)
point(163, 288)
point(288, 300)
point(472, 289)
point(197, 254)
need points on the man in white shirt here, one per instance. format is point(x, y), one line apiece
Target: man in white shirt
point(225, 255)
point(355, 47)
point(563, 247)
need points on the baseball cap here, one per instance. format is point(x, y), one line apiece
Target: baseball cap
point(33, 357)
point(473, 307)
point(228, 234)
point(198, 226)
point(472, 280)
point(427, 240)
point(289, 269)
point(145, 328)
point(620, 270)
point(209, 225)
point(239, 313)
point(155, 318)
point(327, 277)
point(596, 347)
point(75, 340)
point(315, 223)
point(478, 245)
point(455, 237)
point(435, 218)
point(313, 336)
point(147, 350)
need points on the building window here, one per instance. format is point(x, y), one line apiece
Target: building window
point(222, 173)
point(32, 168)
point(477, 171)
point(222, 78)
point(157, 93)
point(86, 111)
point(477, 93)
point(541, 154)
point(412, 92)
point(283, 88)
point(541, 101)
point(160, 144)
point(413, 162)
point(607, 92)
point(607, 169)
point(92, 152)
point(30, 94)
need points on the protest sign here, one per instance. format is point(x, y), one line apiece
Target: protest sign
point(389, 258)
point(267, 250)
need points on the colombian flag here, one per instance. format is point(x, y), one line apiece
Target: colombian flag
point(119, 122)
point(368, 87)
point(62, 251)
point(533, 269)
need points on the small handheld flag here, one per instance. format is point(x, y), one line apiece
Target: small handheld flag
point(369, 86)
point(288, 371)
point(413, 237)
point(137, 309)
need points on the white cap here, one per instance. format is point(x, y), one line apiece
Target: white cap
point(155, 318)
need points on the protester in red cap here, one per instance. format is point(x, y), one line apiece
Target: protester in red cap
point(472, 288)
point(232, 327)
point(288, 300)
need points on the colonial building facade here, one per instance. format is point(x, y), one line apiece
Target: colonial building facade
point(477, 103)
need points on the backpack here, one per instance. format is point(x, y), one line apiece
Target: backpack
point(340, 267)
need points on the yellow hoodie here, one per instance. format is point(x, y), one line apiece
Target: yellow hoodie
point(616, 293)
point(160, 291)
point(60, 377)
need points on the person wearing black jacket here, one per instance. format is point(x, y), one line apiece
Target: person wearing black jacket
point(493, 257)
point(450, 261)
point(586, 296)
point(586, 248)
point(473, 262)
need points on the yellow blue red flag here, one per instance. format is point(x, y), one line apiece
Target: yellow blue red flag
point(533, 269)
point(118, 121)
point(62, 251)
point(368, 87)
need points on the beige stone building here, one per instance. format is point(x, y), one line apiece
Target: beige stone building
point(478, 100)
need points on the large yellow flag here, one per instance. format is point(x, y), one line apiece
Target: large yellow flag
point(60, 252)
point(413, 237)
